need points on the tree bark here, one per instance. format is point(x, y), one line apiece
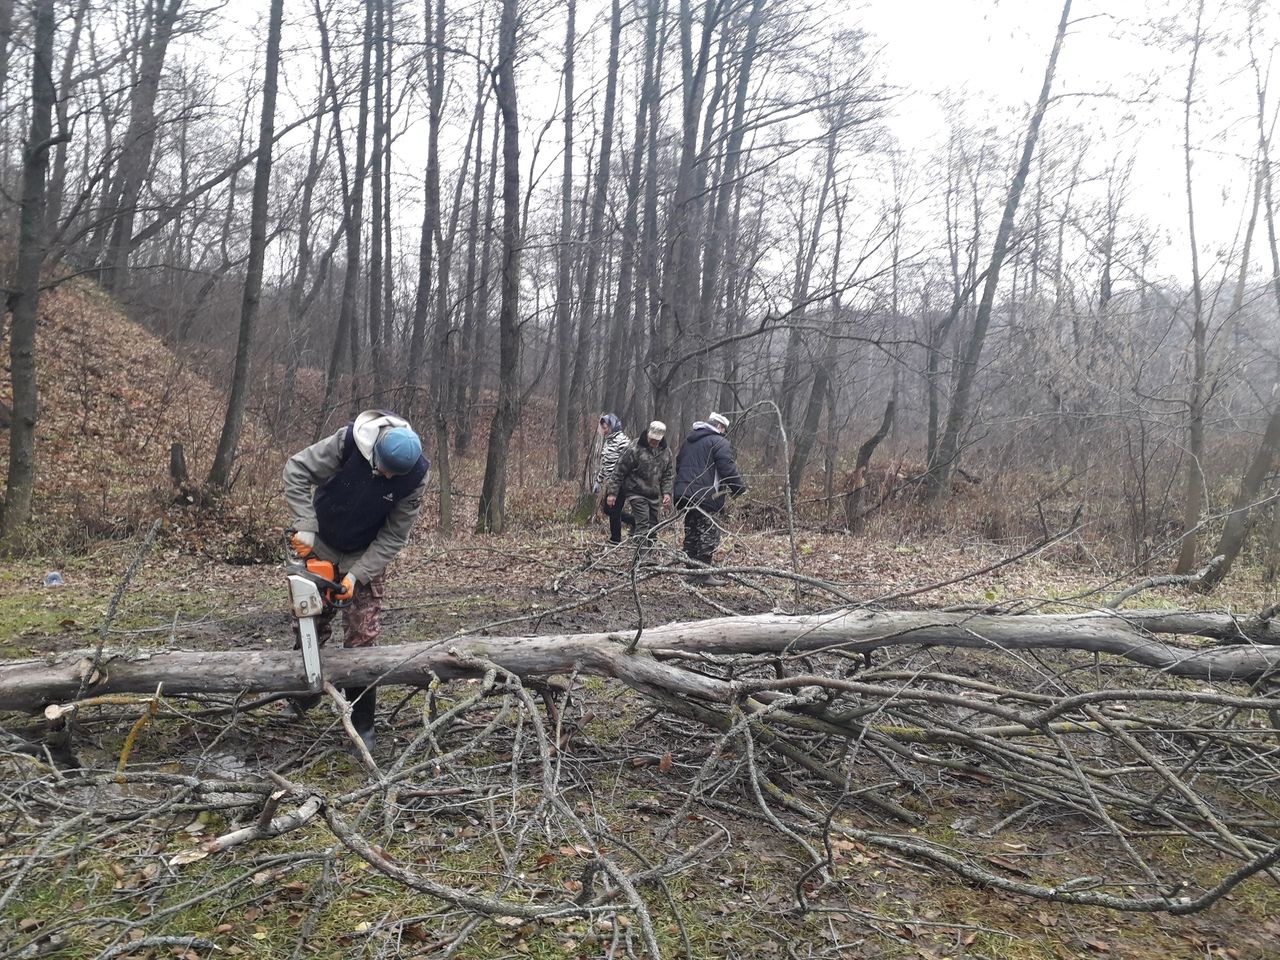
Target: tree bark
point(442, 368)
point(24, 301)
point(1193, 498)
point(6, 38)
point(1242, 510)
point(853, 512)
point(564, 265)
point(725, 195)
point(135, 155)
point(676, 304)
point(646, 323)
point(479, 342)
point(353, 217)
point(295, 308)
point(617, 368)
point(491, 514)
point(587, 331)
point(32, 684)
point(373, 319)
point(823, 365)
point(220, 472)
point(466, 346)
point(58, 178)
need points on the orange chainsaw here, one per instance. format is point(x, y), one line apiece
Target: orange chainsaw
point(313, 585)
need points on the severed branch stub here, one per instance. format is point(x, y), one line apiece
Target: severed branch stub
point(1167, 580)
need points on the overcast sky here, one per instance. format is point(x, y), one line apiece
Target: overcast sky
point(980, 63)
point(1122, 75)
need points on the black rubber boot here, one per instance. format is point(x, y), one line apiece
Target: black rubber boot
point(710, 579)
point(364, 701)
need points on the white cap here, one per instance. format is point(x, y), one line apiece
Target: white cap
point(718, 420)
point(657, 430)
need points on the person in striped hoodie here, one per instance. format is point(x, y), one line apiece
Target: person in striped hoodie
point(615, 441)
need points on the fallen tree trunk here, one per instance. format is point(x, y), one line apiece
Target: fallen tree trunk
point(1130, 635)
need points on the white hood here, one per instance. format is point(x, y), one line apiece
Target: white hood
point(369, 425)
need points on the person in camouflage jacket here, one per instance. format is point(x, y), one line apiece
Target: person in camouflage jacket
point(643, 478)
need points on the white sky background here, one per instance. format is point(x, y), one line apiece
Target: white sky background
point(1121, 75)
point(978, 63)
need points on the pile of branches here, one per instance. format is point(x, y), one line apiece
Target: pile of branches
point(837, 731)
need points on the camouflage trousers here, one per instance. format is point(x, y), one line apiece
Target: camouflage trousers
point(646, 512)
point(359, 617)
point(701, 533)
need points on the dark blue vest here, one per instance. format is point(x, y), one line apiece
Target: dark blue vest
point(353, 504)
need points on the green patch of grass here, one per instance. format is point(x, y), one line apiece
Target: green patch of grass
point(26, 617)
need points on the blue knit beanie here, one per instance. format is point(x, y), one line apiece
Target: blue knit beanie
point(397, 451)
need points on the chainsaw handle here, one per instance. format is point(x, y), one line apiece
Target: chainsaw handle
point(298, 568)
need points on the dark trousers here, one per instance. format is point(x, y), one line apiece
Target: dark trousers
point(617, 517)
point(701, 532)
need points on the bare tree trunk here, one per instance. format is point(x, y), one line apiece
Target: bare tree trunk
point(462, 416)
point(24, 300)
point(853, 512)
point(617, 366)
point(564, 270)
point(353, 215)
point(388, 270)
point(442, 367)
point(1193, 498)
point(33, 684)
point(480, 341)
point(135, 156)
point(725, 192)
point(492, 508)
point(646, 323)
point(1242, 510)
point(735, 295)
point(58, 179)
point(294, 309)
point(6, 38)
point(374, 318)
point(962, 287)
point(939, 475)
point(806, 257)
point(822, 369)
point(220, 472)
point(676, 305)
point(587, 327)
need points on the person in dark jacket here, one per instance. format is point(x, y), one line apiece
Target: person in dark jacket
point(642, 479)
point(354, 497)
point(705, 472)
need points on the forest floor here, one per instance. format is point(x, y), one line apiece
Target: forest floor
point(631, 766)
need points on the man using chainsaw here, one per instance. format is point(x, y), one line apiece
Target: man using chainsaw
point(354, 497)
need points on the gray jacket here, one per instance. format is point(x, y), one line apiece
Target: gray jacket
point(311, 467)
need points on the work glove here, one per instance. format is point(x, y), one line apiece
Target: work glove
point(303, 542)
point(348, 590)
